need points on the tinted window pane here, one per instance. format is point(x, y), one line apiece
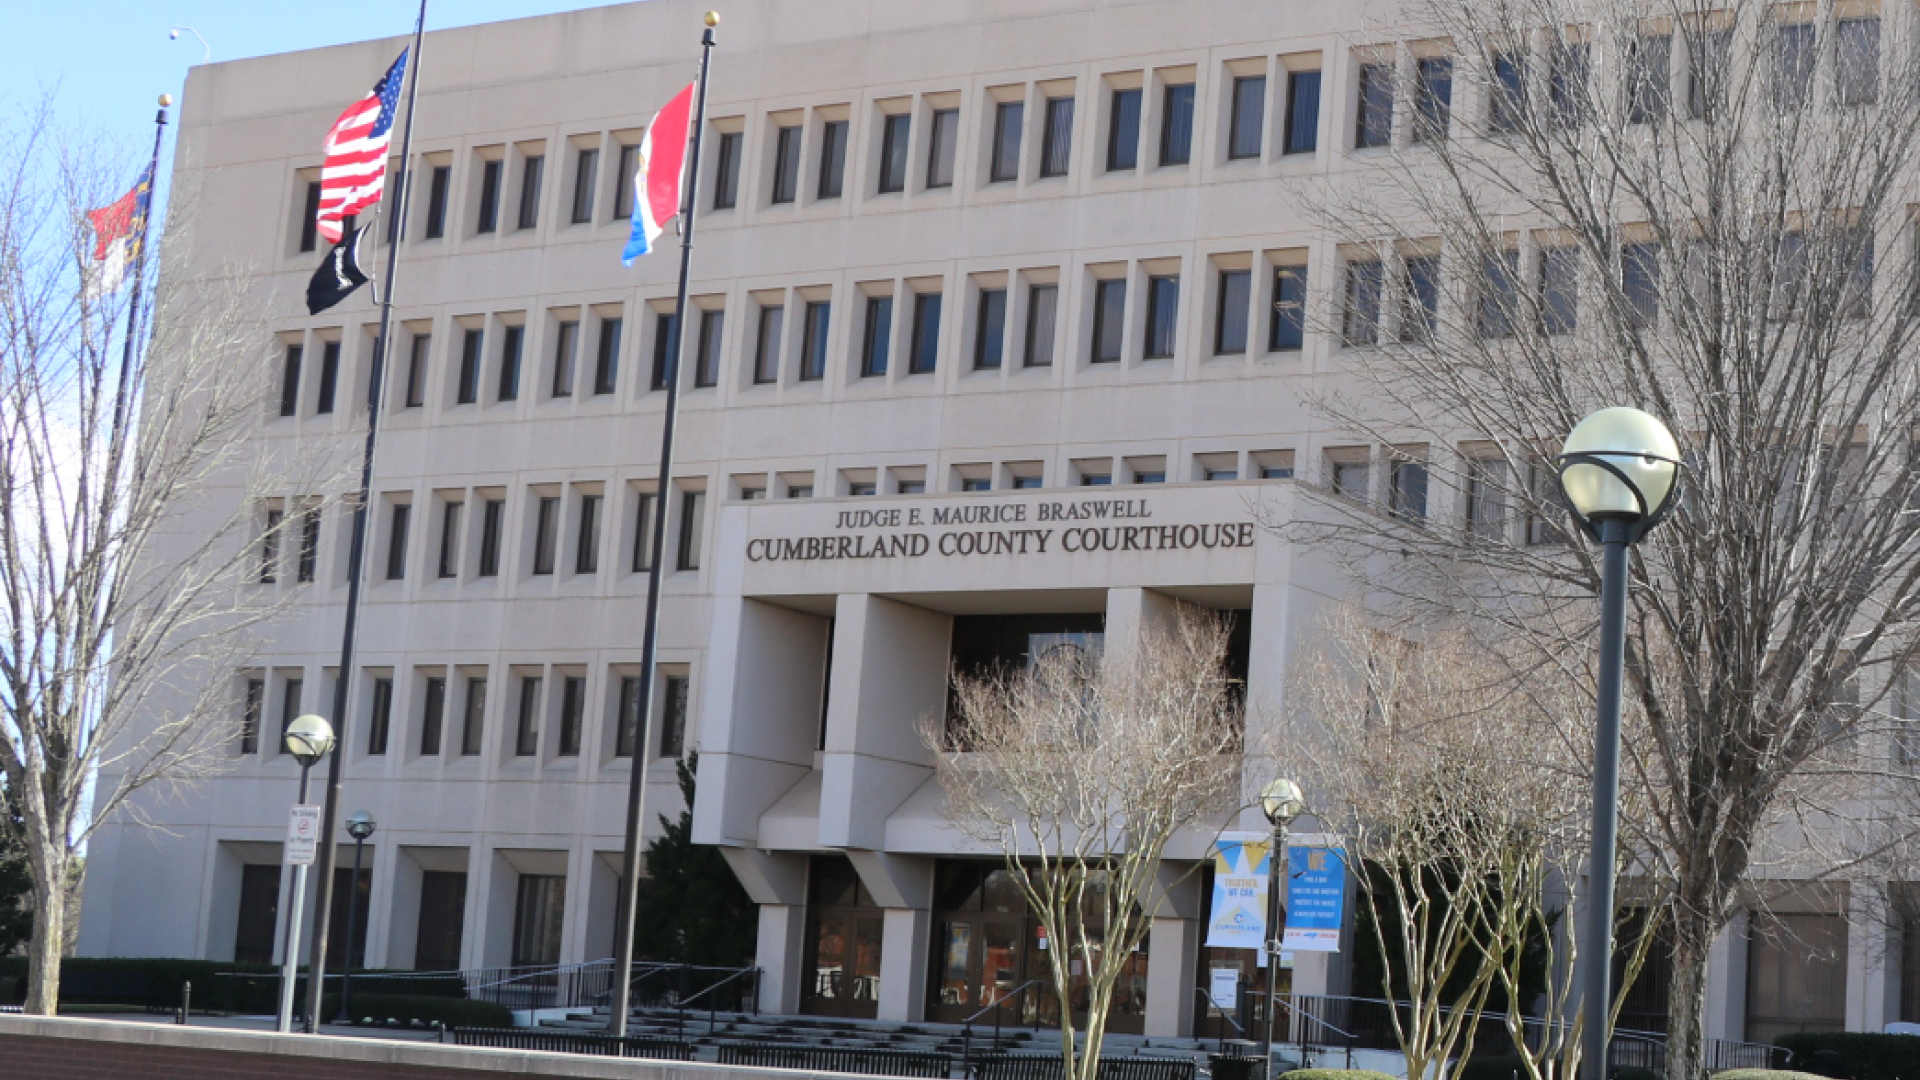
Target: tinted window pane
point(1123, 134)
point(1303, 112)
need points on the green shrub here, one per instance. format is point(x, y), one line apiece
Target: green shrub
point(218, 986)
point(1867, 1056)
point(1334, 1074)
point(1763, 1074)
point(1493, 1067)
point(1636, 1072)
point(427, 1009)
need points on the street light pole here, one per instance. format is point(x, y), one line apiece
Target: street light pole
point(360, 825)
point(1281, 801)
point(308, 739)
point(1620, 471)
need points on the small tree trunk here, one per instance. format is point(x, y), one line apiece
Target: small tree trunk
point(45, 948)
point(1687, 996)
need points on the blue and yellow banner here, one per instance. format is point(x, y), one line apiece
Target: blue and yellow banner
point(1240, 875)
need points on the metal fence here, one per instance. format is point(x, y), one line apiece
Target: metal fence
point(570, 1043)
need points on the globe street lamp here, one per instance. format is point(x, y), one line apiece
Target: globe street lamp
point(360, 825)
point(1281, 801)
point(309, 738)
point(1620, 471)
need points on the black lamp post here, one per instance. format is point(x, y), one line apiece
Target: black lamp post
point(1281, 801)
point(360, 825)
point(1620, 470)
point(308, 738)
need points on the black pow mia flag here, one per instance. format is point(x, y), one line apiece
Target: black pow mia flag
point(338, 276)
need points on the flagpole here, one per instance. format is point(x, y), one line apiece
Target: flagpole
point(356, 559)
point(628, 909)
point(139, 277)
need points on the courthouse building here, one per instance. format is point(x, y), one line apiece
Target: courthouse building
point(1004, 324)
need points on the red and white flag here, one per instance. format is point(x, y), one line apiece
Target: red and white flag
point(656, 178)
point(355, 170)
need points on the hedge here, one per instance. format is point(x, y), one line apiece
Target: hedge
point(1334, 1074)
point(412, 1009)
point(1763, 1074)
point(218, 986)
point(1509, 1066)
point(1865, 1056)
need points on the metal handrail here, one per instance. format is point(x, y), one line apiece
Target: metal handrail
point(996, 1007)
point(997, 1002)
point(1220, 1042)
point(713, 1009)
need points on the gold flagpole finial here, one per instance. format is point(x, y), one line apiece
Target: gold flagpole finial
point(713, 18)
point(166, 100)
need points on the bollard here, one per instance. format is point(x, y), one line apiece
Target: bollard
point(186, 1002)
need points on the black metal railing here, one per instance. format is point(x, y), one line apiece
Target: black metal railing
point(567, 1042)
point(740, 989)
point(932, 1064)
point(998, 1008)
point(545, 987)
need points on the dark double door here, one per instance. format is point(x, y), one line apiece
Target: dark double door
point(981, 960)
point(843, 972)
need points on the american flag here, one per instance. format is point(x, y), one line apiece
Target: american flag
point(355, 169)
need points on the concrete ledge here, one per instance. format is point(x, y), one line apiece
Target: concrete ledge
point(34, 1046)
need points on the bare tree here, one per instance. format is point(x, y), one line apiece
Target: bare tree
point(129, 524)
point(1081, 769)
point(1700, 209)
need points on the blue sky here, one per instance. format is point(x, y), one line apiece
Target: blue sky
point(107, 61)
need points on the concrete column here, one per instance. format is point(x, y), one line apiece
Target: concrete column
point(1173, 973)
point(1873, 985)
point(1726, 1011)
point(760, 715)
point(889, 674)
point(779, 954)
point(1129, 613)
point(904, 944)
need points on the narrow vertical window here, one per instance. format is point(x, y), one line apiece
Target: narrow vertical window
point(586, 555)
point(726, 173)
point(309, 560)
point(1486, 508)
point(693, 509)
point(706, 371)
point(1176, 125)
point(546, 527)
point(450, 539)
point(1793, 61)
point(401, 177)
point(1649, 78)
point(1374, 124)
point(990, 329)
point(1433, 102)
point(290, 381)
point(397, 541)
point(1559, 289)
point(1287, 325)
point(573, 702)
point(1640, 283)
point(1507, 100)
point(813, 349)
point(1407, 490)
point(623, 183)
point(530, 171)
point(833, 158)
point(926, 334)
point(673, 715)
point(766, 351)
point(1856, 295)
point(894, 131)
point(1163, 314)
point(380, 723)
point(1109, 319)
point(1248, 118)
point(433, 715)
point(586, 175)
point(512, 338)
point(1123, 131)
point(488, 219)
point(943, 147)
point(417, 370)
point(1361, 320)
point(879, 332)
point(1709, 61)
point(270, 547)
point(329, 377)
point(526, 735)
point(1008, 118)
point(646, 506)
point(1043, 302)
point(1856, 60)
point(627, 721)
point(1419, 297)
point(290, 694)
point(252, 709)
point(474, 721)
point(1567, 89)
point(566, 344)
point(437, 183)
point(472, 342)
point(666, 333)
point(309, 218)
point(1303, 112)
point(492, 516)
point(606, 364)
point(1056, 141)
point(1499, 294)
point(786, 164)
point(1230, 320)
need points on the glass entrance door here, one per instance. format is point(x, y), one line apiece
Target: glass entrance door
point(981, 960)
point(843, 975)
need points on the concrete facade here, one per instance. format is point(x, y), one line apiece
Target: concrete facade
point(810, 658)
